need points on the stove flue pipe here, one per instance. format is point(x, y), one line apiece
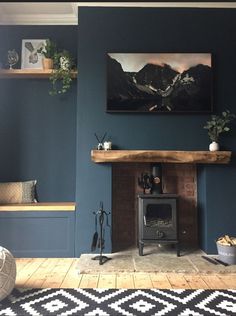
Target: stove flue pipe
point(157, 178)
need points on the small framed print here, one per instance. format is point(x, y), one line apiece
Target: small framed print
point(30, 57)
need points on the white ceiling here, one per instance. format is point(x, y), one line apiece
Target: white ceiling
point(39, 13)
point(66, 13)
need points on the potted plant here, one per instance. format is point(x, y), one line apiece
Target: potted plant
point(48, 51)
point(61, 75)
point(217, 125)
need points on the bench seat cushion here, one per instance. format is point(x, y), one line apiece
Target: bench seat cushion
point(18, 192)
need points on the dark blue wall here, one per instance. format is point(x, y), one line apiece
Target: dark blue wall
point(103, 30)
point(38, 141)
point(37, 130)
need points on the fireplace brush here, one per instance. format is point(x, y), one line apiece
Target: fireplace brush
point(100, 242)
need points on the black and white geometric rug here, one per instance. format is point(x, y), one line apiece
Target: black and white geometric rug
point(112, 302)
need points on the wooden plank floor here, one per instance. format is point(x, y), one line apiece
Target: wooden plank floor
point(62, 273)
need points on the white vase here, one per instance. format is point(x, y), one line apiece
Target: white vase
point(214, 146)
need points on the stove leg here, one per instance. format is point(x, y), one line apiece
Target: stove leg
point(178, 250)
point(140, 248)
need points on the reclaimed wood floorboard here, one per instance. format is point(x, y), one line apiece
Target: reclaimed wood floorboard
point(63, 273)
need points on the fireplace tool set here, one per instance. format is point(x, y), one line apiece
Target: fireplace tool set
point(98, 240)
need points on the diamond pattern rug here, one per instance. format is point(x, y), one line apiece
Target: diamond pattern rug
point(111, 302)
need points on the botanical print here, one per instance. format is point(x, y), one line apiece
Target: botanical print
point(30, 57)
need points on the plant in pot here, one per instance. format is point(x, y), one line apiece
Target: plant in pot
point(48, 51)
point(61, 75)
point(217, 125)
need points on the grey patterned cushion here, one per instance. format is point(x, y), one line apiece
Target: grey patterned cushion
point(18, 192)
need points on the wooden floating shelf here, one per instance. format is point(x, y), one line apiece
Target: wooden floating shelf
point(163, 156)
point(51, 206)
point(28, 73)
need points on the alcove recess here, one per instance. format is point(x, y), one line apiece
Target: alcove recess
point(179, 170)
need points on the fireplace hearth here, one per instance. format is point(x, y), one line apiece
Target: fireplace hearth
point(157, 220)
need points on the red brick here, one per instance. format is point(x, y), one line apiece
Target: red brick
point(177, 178)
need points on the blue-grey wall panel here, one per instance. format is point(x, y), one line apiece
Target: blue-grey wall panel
point(220, 206)
point(38, 130)
point(103, 30)
point(38, 234)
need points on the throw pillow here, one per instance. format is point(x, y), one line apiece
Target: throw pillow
point(18, 192)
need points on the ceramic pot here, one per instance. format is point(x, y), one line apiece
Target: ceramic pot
point(107, 145)
point(214, 146)
point(47, 63)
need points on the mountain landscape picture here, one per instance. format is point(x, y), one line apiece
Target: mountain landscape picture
point(161, 82)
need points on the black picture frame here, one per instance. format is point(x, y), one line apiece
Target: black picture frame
point(168, 83)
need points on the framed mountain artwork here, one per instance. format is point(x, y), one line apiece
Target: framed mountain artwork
point(159, 83)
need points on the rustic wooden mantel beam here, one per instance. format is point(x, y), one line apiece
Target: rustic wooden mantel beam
point(163, 156)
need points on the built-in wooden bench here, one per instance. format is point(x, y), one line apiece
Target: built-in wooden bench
point(46, 206)
point(38, 229)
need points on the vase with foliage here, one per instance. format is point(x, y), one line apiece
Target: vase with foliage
point(61, 75)
point(216, 126)
point(48, 51)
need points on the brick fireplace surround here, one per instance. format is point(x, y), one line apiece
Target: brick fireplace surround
point(179, 176)
point(180, 179)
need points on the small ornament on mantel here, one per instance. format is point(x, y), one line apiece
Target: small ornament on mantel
point(218, 125)
point(107, 145)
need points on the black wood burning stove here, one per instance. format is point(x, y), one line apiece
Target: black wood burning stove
point(157, 217)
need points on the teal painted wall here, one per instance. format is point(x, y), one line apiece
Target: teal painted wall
point(38, 141)
point(38, 131)
point(103, 30)
point(38, 234)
